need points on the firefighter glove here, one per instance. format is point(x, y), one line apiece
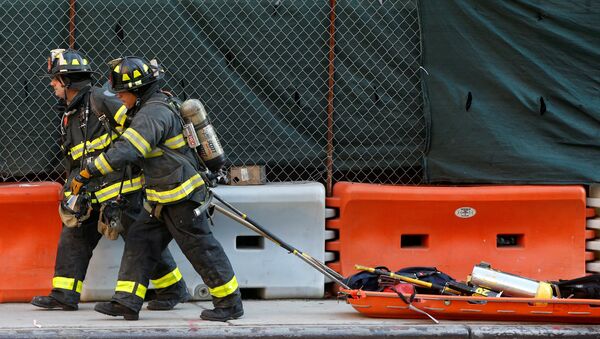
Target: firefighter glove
point(79, 181)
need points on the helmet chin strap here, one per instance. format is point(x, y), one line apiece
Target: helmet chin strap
point(65, 88)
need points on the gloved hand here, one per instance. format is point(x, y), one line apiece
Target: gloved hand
point(79, 181)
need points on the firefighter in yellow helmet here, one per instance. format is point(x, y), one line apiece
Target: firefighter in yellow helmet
point(112, 201)
point(174, 188)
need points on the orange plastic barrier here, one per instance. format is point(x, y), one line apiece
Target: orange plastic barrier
point(389, 305)
point(29, 232)
point(535, 231)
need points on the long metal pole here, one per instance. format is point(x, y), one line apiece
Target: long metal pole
point(72, 24)
point(330, 95)
point(243, 219)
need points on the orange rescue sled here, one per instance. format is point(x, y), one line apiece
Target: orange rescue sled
point(389, 305)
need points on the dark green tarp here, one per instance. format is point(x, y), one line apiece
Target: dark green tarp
point(532, 69)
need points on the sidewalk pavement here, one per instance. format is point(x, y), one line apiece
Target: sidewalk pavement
point(262, 319)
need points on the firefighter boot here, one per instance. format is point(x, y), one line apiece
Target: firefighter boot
point(51, 303)
point(168, 303)
point(115, 309)
point(223, 313)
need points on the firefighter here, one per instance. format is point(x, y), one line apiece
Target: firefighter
point(174, 188)
point(119, 198)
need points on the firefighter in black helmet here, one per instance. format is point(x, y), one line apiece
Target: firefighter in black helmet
point(174, 188)
point(113, 200)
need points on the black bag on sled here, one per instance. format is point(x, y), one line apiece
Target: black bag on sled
point(370, 281)
point(428, 274)
point(587, 287)
point(364, 280)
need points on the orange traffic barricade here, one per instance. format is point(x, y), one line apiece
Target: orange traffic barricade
point(533, 231)
point(29, 231)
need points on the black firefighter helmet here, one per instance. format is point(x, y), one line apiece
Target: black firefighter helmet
point(71, 65)
point(131, 73)
point(67, 61)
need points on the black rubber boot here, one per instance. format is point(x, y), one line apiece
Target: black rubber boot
point(51, 303)
point(115, 309)
point(223, 314)
point(167, 304)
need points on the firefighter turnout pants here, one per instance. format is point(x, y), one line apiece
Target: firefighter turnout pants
point(149, 235)
point(75, 248)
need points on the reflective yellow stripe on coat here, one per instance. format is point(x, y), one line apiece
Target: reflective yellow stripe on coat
point(175, 142)
point(112, 191)
point(121, 116)
point(97, 144)
point(177, 193)
point(102, 165)
point(137, 140)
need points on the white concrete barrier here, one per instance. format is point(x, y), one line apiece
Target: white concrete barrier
point(294, 212)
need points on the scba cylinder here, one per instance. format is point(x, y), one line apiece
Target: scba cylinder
point(208, 145)
point(510, 284)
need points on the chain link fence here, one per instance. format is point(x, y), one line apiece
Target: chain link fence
point(313, 89)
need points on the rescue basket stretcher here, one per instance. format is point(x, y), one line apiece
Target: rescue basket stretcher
point(389, 305)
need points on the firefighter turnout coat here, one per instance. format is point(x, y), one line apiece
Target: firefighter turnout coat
point(173, 182)
point(76, 244)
